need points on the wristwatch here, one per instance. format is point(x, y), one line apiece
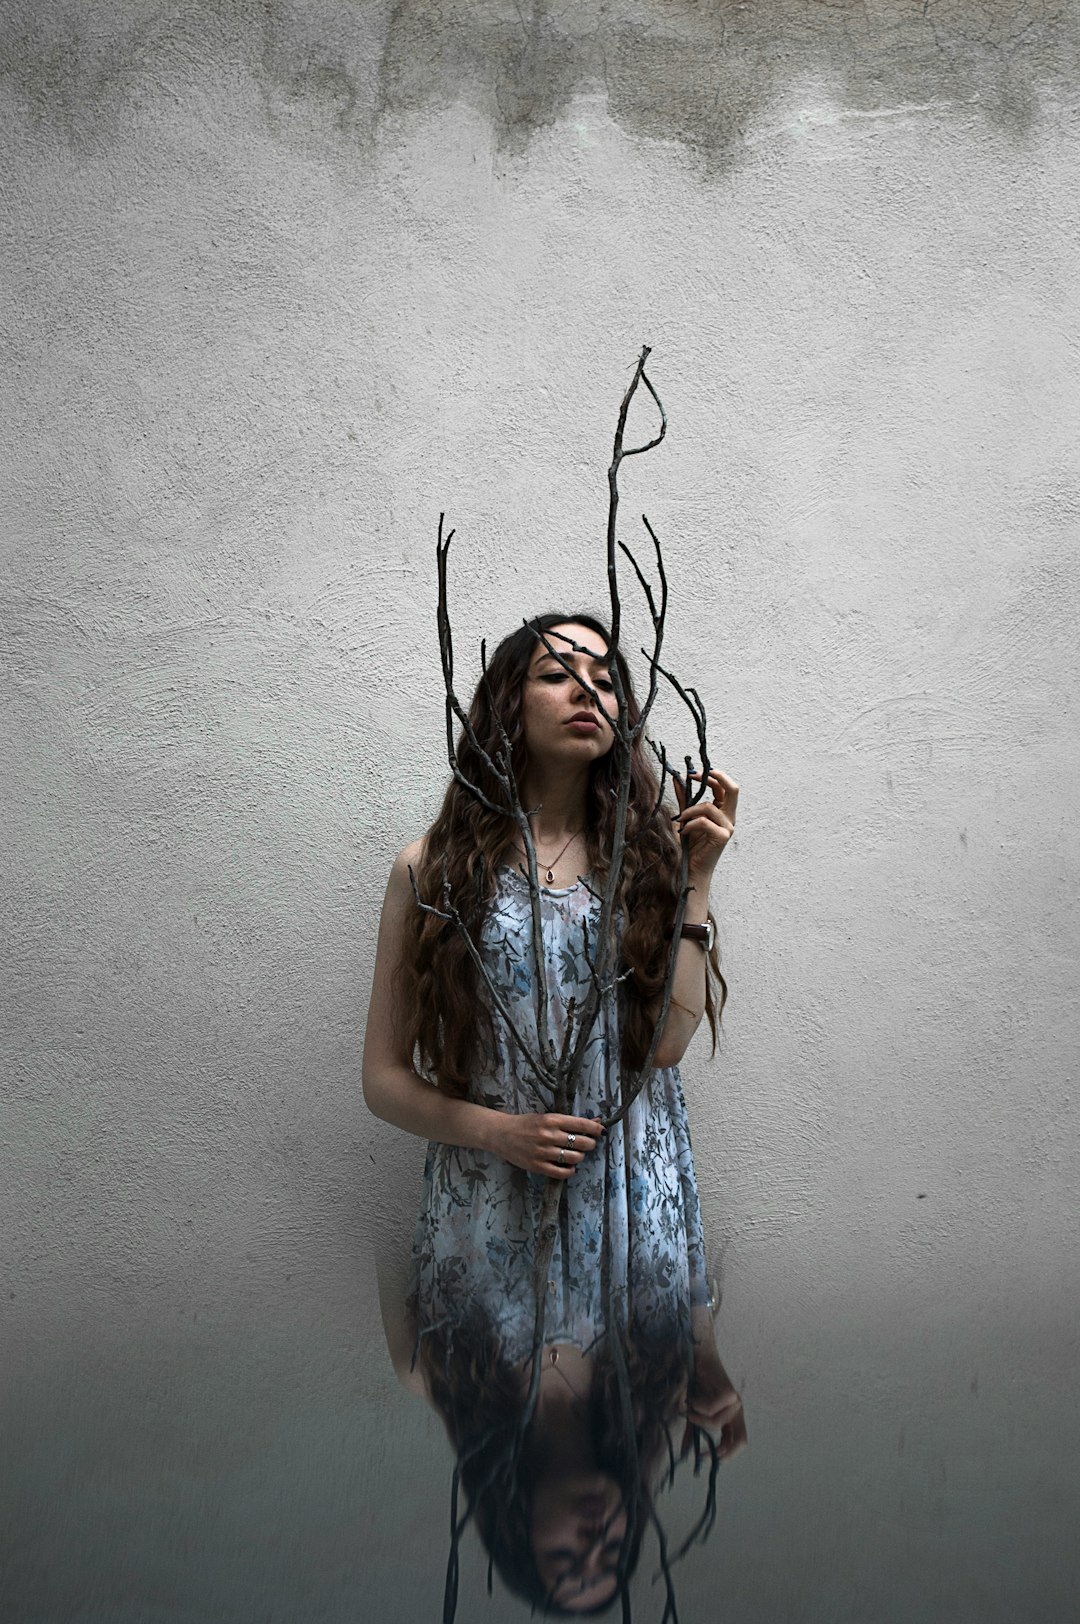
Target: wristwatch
point(705, 934)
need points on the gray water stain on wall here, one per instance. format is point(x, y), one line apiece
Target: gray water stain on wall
point(334, 75)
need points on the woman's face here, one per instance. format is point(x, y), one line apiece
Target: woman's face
point(578, 1528)
point(561, 719)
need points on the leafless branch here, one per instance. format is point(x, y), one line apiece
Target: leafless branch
point(692, 700)
point(561, 1071)
point(454, 708)
point(658, 617)
point(660, 752)
point(557, 1073)
point(450, 915)
point(618, 453)
point(671, 1611)
point(591, 889)
point(575, 648)
point(702, 1528)
point(505, 777)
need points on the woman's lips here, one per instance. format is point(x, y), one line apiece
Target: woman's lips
point(582, 724)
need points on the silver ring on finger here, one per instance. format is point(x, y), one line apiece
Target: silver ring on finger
point(570, 1140)
point(561, 1158)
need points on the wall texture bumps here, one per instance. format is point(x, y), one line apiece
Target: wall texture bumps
point(281, 282)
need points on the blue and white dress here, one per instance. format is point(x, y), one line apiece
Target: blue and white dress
point(635, 1196)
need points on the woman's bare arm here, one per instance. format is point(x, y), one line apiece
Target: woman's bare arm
point(706, 827)
point(395, 1091)
point(687, 989)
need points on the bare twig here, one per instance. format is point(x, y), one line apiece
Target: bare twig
point(703, 1527)
point(556, 1074)
point(671, 1611)
point(561, 1071)
point(454, 708)
point(660, 752)
point(692, 700)
point(451, 915)
point(507, 781)
point(658, 617)
point(560, 658)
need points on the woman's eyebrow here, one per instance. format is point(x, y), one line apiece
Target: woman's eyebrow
point(594, 658)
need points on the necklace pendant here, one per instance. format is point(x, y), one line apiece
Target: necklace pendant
point(550, 876)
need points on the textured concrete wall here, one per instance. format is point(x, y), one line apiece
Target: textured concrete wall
point(281, 281)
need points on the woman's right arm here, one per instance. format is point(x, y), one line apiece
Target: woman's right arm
point(395, 1091)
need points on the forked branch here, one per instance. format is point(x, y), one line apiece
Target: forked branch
point(557, 1073)
point(489, 776)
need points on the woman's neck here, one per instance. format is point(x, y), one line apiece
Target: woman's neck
point(561, 1435)
point(558, 802)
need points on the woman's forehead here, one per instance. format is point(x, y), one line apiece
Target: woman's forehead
point(563, 637)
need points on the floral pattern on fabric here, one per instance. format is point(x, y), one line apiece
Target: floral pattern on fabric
point(634, 1197)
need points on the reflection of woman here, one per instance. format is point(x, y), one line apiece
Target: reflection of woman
point(628, 1259)
point(563, 1514)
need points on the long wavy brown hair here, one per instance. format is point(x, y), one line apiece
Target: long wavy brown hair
point(439, 985)
point(480, 1397)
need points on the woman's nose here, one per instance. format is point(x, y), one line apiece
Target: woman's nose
point(592, 1533)
point(594, 1562)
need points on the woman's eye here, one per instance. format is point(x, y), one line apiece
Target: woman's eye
point(602, 684)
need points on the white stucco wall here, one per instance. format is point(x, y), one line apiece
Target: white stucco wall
point(280, 284)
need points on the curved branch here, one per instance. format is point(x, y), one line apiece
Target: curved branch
point(451, 915)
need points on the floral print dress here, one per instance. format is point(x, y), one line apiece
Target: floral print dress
point(629, 1244)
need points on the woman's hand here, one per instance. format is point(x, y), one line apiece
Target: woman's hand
point(543, 1141)
point(713, 1403)
point(707, 826)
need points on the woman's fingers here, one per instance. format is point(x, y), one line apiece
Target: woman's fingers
point(709, 821)
point(570, 1138)
point(704, 815)
point(725, 791)
point(580, 1127)
point(567, 1141)
point(544, 1142)
point(723, 788)
point(705, 827)
point(725, 1423)
point(717, 1412)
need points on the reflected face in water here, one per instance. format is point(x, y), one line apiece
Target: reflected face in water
point(578, 1528)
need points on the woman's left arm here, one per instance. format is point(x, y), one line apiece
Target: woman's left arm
point(706, 828)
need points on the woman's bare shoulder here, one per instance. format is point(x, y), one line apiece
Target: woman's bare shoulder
point(408, 858)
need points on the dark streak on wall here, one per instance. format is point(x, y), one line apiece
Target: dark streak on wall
point(335, 74)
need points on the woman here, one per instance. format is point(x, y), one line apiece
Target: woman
point(442, 1061)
